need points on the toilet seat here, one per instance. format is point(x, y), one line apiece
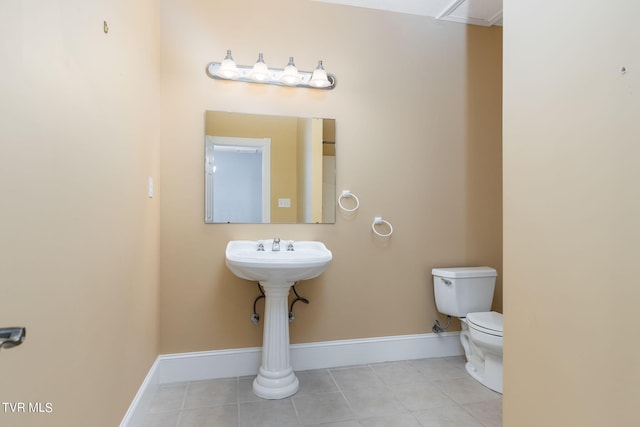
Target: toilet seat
point(489, 322)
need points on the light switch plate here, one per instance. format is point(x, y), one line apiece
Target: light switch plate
point(284, 203)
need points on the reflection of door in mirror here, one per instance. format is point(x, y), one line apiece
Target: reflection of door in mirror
point(237, 180)
point(302, 179)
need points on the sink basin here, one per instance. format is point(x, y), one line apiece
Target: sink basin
point(276, 271)
point(307, 260)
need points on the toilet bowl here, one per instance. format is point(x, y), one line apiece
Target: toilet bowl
point(467, 293)
point(485, 335)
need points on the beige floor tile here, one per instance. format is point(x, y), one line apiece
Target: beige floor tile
point(245, 390)
point(211, 393)
point(349, 423)
point(426, 392)
point(449, 416)
point(268, 413)
point(418, 396)
point(354, 378)
point(489, 413)
point(401, 420)
point(161, 419)
point(313, 382)
point(440, 368)
point(466, 390)
point(168, 397)
point(373, 402)
point(322, 408)
point(219, 416)
point(398, 373)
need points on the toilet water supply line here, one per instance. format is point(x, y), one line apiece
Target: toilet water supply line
point(437, 328)
point(255, 317)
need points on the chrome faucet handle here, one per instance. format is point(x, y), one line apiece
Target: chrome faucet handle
point(260, 246)
point(290, 247)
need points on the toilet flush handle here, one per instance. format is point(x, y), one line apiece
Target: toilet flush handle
point(446, 282)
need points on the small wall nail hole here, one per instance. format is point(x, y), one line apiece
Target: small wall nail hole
point(105, 27)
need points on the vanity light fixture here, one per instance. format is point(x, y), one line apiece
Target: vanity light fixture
point(290, 75)
point(260, 73)
point(228, 68)
point(319, 77)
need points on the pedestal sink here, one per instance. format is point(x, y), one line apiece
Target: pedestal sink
point(276, 270)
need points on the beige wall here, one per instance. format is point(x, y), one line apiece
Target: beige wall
point(422, 149)
point(83, 248)
point(82, 244)
point(571, 213)
point(79, 238)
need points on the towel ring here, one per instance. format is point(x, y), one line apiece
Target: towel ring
point(377, 221)
point(348, 194)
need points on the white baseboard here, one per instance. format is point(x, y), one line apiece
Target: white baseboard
point(204, 365)
point(332, 354)
point(142, 400)
point(209, 364)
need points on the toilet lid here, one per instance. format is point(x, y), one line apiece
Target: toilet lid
point(489, 322)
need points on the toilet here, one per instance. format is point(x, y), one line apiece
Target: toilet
point(467, 293)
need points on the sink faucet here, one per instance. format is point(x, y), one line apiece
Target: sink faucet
point(276, 244)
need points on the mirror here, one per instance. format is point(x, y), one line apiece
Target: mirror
point(269, 169)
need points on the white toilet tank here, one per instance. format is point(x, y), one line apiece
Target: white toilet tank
point(462, 290)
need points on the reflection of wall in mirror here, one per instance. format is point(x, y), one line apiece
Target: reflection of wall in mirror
point(303, 135)
point(309, 163)
point(315, 171)
point(328, 171)
point(328, 189)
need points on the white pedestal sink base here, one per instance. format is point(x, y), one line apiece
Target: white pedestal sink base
point(275, 385)
point(275, 379)
point(276, 270)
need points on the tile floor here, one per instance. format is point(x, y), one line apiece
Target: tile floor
point(425, 392)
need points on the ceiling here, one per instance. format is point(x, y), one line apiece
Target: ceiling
point(474, 12)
